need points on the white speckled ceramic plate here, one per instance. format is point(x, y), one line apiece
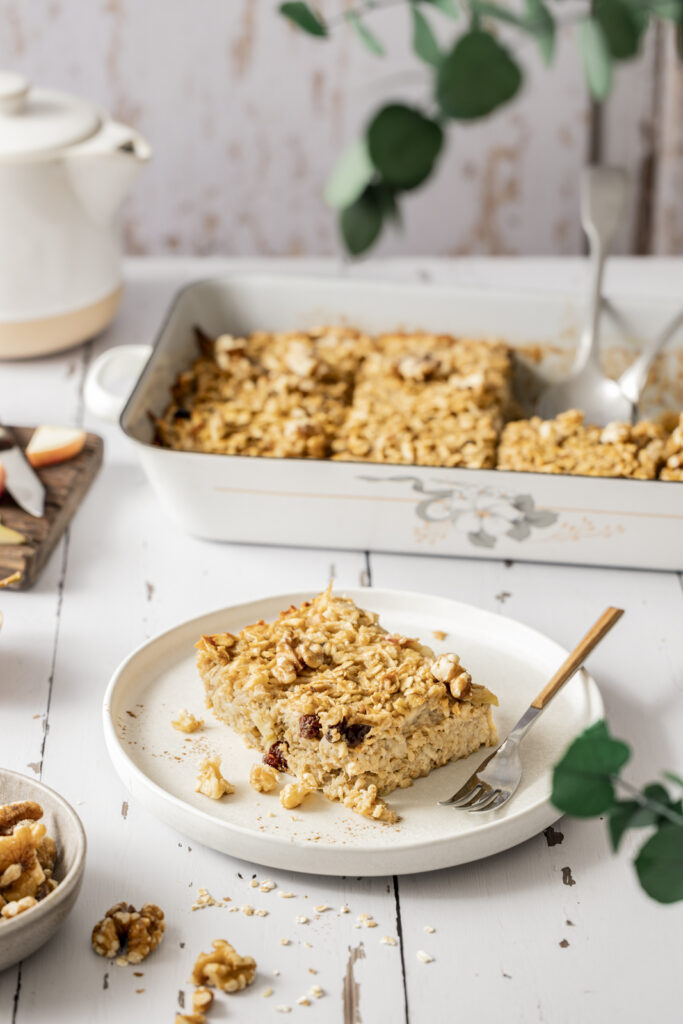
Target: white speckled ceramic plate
point(158, 764)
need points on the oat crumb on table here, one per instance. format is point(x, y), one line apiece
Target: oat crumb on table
point(388, 940)
point(316, 991)
point(304, 1001)
point(224, 968)
point(425, 958)
point(186, 722)
point(267, 885)
point(267, 993)
point(283, 1009)
point(286, 895)
point(210, 782)
point(429, 929)
point(439, 634)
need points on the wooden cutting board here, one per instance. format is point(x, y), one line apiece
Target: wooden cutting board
point(66, 484)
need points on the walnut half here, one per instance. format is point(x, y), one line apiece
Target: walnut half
point(224, 968)
point(139, 932)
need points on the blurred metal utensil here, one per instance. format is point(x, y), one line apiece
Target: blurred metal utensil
point(21, 481)
point(603, 196)
point(632, 381)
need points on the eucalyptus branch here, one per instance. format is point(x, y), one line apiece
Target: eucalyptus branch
point(363, 9)
point(646, 801)
point(478, 74)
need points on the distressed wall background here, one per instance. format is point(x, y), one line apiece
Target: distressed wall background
point(246, 115)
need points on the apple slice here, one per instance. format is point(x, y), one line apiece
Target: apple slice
point(54, 444)
point(9, 536)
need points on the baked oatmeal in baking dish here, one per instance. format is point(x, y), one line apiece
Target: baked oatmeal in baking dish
point(416, 399)
point(351, 710)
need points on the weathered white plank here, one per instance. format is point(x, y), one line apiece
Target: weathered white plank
point(500, 922)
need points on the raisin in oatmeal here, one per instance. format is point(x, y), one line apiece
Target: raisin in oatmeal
point(349, 709)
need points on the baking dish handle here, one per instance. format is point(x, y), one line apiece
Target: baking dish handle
point(111, 377)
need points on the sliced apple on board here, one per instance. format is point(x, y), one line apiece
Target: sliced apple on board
point(49, 445)
point(9, 536)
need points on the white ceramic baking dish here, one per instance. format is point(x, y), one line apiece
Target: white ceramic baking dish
point(486, 513)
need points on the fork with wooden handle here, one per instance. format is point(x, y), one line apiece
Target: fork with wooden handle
point(499, 774)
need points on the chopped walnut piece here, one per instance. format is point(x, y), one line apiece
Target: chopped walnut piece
point(15, 907)
point(263, 778)
point(293, 795)
point(202, 998)
point(185, 721)
point(224, 968)
point(139, 932)
point(447, 669)
point(366, 802)
point(21, 873)
point(210, 782)
point(287, 662)
point(311, 654)
point(21, 811)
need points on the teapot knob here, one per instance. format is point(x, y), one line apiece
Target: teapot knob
point(13, 92)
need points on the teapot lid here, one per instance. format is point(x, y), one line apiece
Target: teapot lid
point(36, 122)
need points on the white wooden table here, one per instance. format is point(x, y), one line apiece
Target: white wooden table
point(556, 930)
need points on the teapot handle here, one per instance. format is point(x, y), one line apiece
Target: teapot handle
point(111, 377)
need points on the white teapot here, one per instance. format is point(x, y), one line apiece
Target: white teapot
point(64, 171)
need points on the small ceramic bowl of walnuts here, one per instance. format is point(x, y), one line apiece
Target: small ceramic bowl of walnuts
point(42, 858)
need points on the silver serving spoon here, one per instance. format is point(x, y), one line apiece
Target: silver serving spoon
point(603, 195)
point(633, 380)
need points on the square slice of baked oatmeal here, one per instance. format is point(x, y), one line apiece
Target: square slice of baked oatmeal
point(351, 710)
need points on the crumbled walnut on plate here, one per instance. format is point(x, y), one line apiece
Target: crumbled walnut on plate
point(293, 795)
point(185, 721)
point(139, 932)
point(263, 778)
point(210, 782)
point(224, 968)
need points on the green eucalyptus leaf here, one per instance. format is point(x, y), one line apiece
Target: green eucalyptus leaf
point(476, 77)
point(672, 777)
point(582, 779)
point(622, 25)
point(482, 8)
point(361, 222)
point(660, 864)
point(670, 10)
point(302, 15)
point(350, 176)
point(449, 7)
point(387, 201)
point(424, 40)
point(627, 814)
point(597, 62)
point(403, 145)
point(541, 24)
point(368, 38)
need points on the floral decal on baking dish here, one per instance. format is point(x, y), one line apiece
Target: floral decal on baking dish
point(483, 513)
